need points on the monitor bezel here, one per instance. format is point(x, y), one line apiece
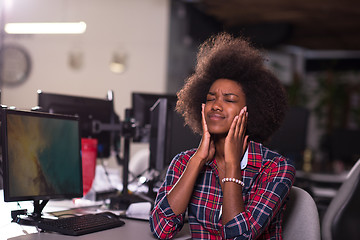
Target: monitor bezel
point(5, 157)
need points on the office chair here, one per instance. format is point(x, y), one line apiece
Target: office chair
point(342, 217)
point(301, 217)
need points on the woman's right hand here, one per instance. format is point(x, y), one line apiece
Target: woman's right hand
point(206, 149)
point(180, 194)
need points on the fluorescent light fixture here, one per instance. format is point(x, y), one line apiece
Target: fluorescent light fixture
point(46, 28)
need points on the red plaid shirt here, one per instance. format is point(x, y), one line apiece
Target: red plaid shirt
point(268, 178)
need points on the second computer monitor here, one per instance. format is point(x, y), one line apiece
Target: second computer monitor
point(89, 110)
point(169, 135)
point(141, 104)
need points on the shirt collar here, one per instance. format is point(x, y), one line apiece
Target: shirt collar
point(244, 160)
point(243, 163)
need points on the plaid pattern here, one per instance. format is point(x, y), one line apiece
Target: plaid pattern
point(268, 178)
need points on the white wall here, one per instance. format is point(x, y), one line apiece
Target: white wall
point(139, 28)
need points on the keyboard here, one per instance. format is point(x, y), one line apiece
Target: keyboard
point(80, 225)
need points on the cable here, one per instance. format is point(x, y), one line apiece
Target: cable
point(106, 172)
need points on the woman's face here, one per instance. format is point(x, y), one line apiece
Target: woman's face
point(224, 101)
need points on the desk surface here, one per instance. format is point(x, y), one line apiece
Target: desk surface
point(322, 177)
point(133, 229)
point(321, 185)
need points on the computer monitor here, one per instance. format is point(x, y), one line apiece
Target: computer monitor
point(158, 137)
point(1, 165)
point(344, 145)
point(290, 139)
point(169, 135)
point(91, 112)
point(41, 157)
point(141, 104)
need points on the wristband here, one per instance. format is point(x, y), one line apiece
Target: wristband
point(238, 181)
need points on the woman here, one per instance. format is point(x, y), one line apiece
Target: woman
point(232, 186)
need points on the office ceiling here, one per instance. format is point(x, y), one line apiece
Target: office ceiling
point(315, 24)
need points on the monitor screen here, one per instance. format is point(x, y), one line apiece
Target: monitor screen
point(344, 145)
point(41, 156)
point(141, 104)
point(169, 135)
point(290, 139)
point(89, 111)
point(158, 116)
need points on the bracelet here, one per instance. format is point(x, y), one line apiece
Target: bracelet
point(238, 181)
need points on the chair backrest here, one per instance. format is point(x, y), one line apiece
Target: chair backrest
point(301, 217)
point(342, 217)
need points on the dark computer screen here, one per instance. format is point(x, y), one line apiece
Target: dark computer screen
point(290, 139)
point(141, 104)
point(158, 136)
point(169, 135)
point(41, 156)
point(344, 145)
point(89, 111)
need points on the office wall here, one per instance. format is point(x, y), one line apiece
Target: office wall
point(137, 28)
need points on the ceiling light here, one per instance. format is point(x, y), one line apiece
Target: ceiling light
point(46, 28)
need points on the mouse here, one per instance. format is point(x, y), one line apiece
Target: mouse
point(110, 215)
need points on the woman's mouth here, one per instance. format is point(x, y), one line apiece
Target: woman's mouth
point(216, 116)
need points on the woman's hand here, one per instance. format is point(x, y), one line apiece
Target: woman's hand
point(180, 194)
point(236, 140)
point(235, 146)
point(206, 149)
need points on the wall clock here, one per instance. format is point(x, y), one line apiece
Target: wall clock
point(15, 65)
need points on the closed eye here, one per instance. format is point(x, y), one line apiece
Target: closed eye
point(210, 97)
point(231, 99)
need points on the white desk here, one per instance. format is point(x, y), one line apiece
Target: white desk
point(322, 177)
point(322, 184)
point(133, 229)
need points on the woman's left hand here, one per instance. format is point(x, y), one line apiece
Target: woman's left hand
point(236, 140)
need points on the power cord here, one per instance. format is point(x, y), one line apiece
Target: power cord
point(106, 172)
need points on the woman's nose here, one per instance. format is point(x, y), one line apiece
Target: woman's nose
point(217, 106)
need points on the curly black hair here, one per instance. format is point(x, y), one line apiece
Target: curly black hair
point(224, 56)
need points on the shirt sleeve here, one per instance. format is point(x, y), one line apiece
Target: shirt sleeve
point(164, 224)
point(267, 195)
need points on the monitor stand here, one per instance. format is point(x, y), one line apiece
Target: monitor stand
point(122, 200)
point(23, 218)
